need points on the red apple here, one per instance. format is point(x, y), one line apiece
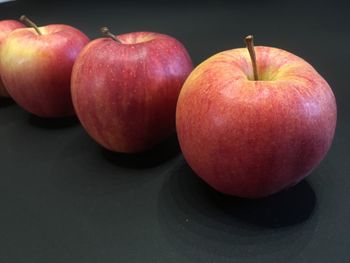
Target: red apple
point(36, 65)
point(125, 88)
point(253, 136)
point(6, 26)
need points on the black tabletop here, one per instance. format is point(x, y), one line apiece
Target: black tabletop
point(65, 199)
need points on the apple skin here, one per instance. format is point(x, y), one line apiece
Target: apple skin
point(6, 27)
point(254, 138)
point(36, 69)
point(125, 94)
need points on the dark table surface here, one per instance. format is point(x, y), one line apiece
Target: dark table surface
point(65, 199)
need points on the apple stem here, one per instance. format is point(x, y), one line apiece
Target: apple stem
point(30, 23)
point(105, 31)
point(249, 40)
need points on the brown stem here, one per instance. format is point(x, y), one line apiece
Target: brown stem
point(105, 31)
point(249, 40)
point(30, 23)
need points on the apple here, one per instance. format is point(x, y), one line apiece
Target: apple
point(36, 65)
point(125, 88)
point(7, 26)
point(253, 122)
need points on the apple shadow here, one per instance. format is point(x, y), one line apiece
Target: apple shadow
point(162, 152)
point(6, 102)
point(53, 123)
point(289, 207)
point(192, 214)
point(81, 169)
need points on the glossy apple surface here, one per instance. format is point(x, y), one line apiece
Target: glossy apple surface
point(125, 92)
point(6, 27)
point(36, 69)
point(253, 138)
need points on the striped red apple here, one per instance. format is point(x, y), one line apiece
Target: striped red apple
point(36, 65)
point(6, 27)
point(125, 88)
point(251, 133)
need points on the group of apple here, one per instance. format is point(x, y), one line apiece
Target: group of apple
point(250, 121)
